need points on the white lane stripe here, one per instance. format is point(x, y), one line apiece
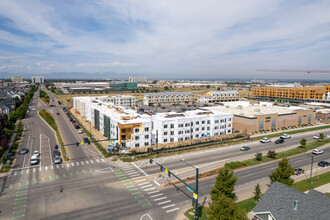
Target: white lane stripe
point(138, 177)
point(34, 170)
point(92, 161)
point(160, 198)
point(97, 160)
point(67, 165)
point(52, 167)
point(15, 173)
point(57, 166)
point(102, 160)
point(165, 207)
point(27, 171)
point(128, 168)
point(72, 164)
point(135, 175)
point(87, 162)
point(39, 168)
point(62, 165)
point(150, 189)
point(142, 187)
point(157, 195)
point(141, 184)
point(171, 210)
point(46, 168)
point(156, 191)
point(77, 163)
point(140, 169)
point(82, 163)
point(129, 173)
point(140, 180)
point(161, 203)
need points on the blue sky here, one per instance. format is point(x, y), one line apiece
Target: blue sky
point(214, 39)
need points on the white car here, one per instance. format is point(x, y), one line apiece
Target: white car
point(34, 160)
point(36, 153)
point(265, 140)
point(57, 159)
point(285, 136)
point(33, 109)
point(80, 131)
point(317, 152)
point(316, 137)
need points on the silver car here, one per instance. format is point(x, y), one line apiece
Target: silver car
point(57, 159)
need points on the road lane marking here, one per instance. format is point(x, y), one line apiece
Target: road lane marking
point(72, 164)
point(147, 204)
point(39, 168)
point(50, 178)
point(140, 180)
point(171, 210)
point(160, 194)
point(156, 191)
point(46, 168)
point(86, 162)
point(102, 160)
point(92, 161)
point(15, 173)
point(133, 189)
point(57, 166)
point(97, 160)
point(137, 177)
point(129, 173)
point(64, 175)
point(165, 207)
point(140, 169)
point(67, 164)
point(150, 189)
point(161, 203)
point(142, 187)
point(82, 163)
point(62, 165)
point(139, 196)
point(27, 171)
point(77, 163)
point(134, 175)
point(52, 167)
point(141, 184)
point(34, 170)
point(160, 198)
point(18, 216)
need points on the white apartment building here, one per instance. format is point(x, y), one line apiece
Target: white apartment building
point(38, 79)
point(121, 100)
point(138, 79)
point(163, 98)
point(173, 127)
point(219, 96)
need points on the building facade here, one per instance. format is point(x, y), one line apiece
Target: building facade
point(38, 79)
point(138, 79)
point(300, 94)
point(219, 96)
point(123, 85)
point(163, 98)
point(126, 101)
point(17, 79)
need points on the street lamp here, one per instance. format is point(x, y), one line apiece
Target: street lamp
point(310, 179)
point(196, 188)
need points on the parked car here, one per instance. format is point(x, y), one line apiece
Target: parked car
point(77, 126)
point(317, 152)
point(80, 131)
point(279, 141)
point(285, 136)
point(316, 137)
point(33, 109)
point(86, 139)
point(57, 152)
point(265, 140)
point(244, 148)
point(36, 153)
point(298, 171)
point(57, 159)
point(323, 164)
point(70, 119)
point(58, 113)
point(34, 160)
point(24, 151)
point(56, 147)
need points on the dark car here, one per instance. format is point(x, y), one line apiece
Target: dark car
point(57, 152)
point(24, 151)
point(323, 164)
point(298, 171)
point(58, 113)
point(71, 119)
point(77, 127)
point(56, 147)
point(279, 141)
point(244, 148)
point(86, 139)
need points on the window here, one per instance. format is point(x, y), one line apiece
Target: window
point(172, 140)
point(216, 121)
point(146, 144)
point(146, 129)
point(137, 138)
point(136, 130)
point(216, 128)
point(309, 119)
point(187, 124)
point(261, 125)
point(172, 125)
point(165, 140)
point(196, 136)
point(299, 120)
point(197, 122)
point(197, 129)
point(172, 132)
point(273, 124)
point(146, 136)
point(165, 126)
point(180, 132)
point(137, 145)
point(203, 122)
point(203, 128)
point(165, 133)
point(208, 122)
point(208, 128)
point(180, 125)
point(186, 138)
point(229, 119)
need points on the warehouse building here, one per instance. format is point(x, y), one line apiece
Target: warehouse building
point(219, 96)
point(132, 129)
point(123, 85)
point(260, 116)
point(138, 79)
point(165, 98)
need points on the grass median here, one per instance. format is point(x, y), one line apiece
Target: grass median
point(44, 97)
point(52, 123)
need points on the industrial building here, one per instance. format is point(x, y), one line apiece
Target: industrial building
point(262, 116)
point(131, 129)
point(298, 95)
point(38, 79)
point(164, 98)
point(138, 79)
point(123, 85)
point(17, 79)
point(219, 96)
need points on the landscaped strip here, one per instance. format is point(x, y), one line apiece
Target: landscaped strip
point(52, 123)
point(44, 97)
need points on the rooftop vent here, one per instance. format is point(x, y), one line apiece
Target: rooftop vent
point(295, 205)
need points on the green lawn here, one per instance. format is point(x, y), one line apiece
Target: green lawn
point(202, 212)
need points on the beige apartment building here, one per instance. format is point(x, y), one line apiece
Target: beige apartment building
point(254, 117)
point(164, 98)
point(219, 96)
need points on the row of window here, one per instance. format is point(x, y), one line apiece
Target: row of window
point(138, 137)
point(166, 140)
point(197, 123)
point(196, 129)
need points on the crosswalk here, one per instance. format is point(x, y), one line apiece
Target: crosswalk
point(141, 188)
point(34, 169)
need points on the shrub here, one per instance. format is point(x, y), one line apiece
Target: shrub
point(272, 154)
point(235, 164)
point(258, 156)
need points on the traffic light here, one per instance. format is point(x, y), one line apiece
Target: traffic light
point(89, 142)
point(169, 173)
point(150, 161)
point(77, 143)
point(161, 168)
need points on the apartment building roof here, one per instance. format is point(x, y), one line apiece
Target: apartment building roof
point(247, 109)
point(223, 92)
point(169, 93)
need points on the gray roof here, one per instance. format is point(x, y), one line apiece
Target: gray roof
point(168, 93)
point(280, 199)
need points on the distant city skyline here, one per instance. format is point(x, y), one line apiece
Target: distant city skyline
point(165, 39)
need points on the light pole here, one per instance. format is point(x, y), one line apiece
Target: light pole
point(310, 179)
point(196, 188)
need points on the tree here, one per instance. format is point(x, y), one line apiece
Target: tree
point(3, 159)
point(259, 156)
point(272, 154)
point(224, 208)
point(257, 192)
point(303, 142)
point(224, 184)
point(7, 132)
point(321, 135)
point(208, 86)
point(166, 88)
point(218, 88)
point(283, 173)
point(1, 151)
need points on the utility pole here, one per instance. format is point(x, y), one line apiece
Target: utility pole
point(310, 179)
point(157, 142)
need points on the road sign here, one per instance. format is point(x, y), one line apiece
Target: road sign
point(81, 143)
point(166, 170)
point(59, 146)
point(190, 189)
point(195, 195)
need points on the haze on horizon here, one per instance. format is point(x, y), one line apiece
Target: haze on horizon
point(190, 39)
